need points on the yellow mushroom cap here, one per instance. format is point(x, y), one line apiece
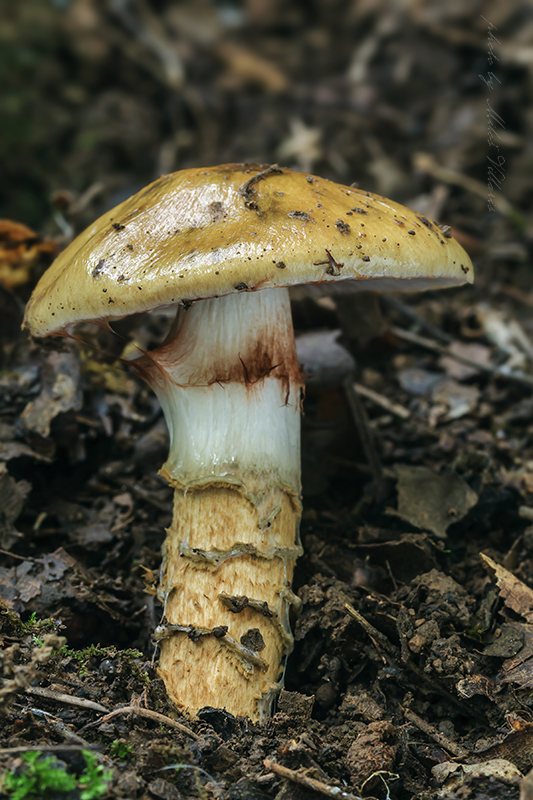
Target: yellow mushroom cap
point(202, 233)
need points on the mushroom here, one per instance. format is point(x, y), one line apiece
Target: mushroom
point(224, 245)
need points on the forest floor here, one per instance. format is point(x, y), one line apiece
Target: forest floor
point(412, 670)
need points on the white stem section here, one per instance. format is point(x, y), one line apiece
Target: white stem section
point(229, 385)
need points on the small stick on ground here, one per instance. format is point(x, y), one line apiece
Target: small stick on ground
point(147, 714)
point(422, 323)
point(48, 748)
point(59, 727)
point(66, 699)
point(510, 375)
point(363, 429)
point(14, 555)
point(377, 637)
point(310, 783)
point(433, 733)
point(381, 400)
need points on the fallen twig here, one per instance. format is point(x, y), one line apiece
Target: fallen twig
point(422, 341)
point(14, 555)
point(433, 733)
point(47, 748)
point(67, 699)
point(310, 783)
point(147, 714)
point(412, 314)
point(363, 429)
point(59, 727)
point(381, 400)
point(376, 636)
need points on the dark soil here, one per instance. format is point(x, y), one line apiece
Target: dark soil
point(414, 641)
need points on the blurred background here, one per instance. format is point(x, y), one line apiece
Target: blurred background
point(99, 97)
point(427, 102)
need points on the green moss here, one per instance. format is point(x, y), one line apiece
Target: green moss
point(127, 657)
point(42, 777)
point(121, 750)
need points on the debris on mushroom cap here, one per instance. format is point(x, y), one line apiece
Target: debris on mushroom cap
point(203, 233)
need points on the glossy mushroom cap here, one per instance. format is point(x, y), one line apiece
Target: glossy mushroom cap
point(203, 233)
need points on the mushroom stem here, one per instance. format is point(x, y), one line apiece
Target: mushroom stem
point(229, 384)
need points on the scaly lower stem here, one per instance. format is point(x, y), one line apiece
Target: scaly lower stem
point(229, 384)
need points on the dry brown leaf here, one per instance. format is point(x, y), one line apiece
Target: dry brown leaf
point(517, 747)
point(519, 668)
point(473, 351)
point(20, 250)
point(452, 776)
point(12, 498)
point(514, 592)
point(60, 391)
point(432, 502)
